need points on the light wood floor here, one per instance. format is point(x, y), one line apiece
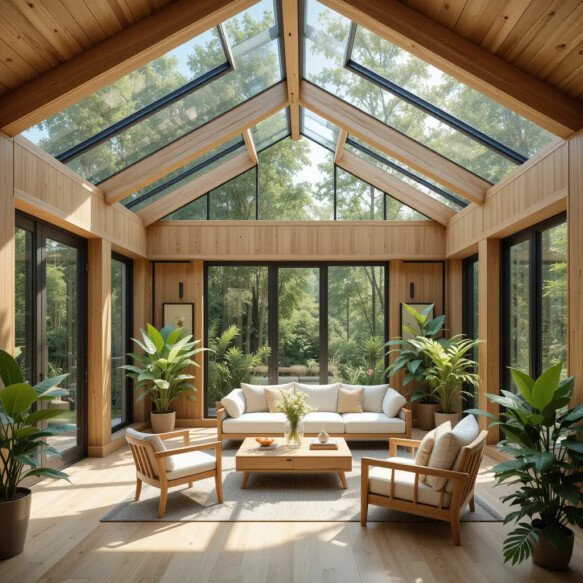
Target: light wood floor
point(66, 542)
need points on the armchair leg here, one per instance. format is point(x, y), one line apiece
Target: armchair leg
point(455, 530)
point(190, 484)
point(363, 509)
point(219, 487)
point(138, 489)
point(472, 504)
point(162, 505)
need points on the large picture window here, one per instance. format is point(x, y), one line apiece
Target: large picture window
point(282, 322)
point(534, 326)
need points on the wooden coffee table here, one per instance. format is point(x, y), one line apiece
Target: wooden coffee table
point(284, 459)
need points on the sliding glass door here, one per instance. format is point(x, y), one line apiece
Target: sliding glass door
point(50, 325)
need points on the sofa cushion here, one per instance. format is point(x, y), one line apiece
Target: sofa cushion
point(158, 446)
point(372, 423)
point(273, 396)
point(447, 447)
point(321, 397)
point(189, 464)
point(425, 447)
point(331, 422)
point(234, 403)
point(392, 403)
point(458, 463)
point(248, 423)
point(372, 399)
point(380, 483)
point(255, 399)
point(350, 401)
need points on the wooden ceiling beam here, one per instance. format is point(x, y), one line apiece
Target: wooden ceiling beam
point(340, 142)
point(195, 144)
point(396, 188)
point(469, 63)
point(195, 188)
point(291, 38)
point(111, 59)
point(393, 143)
point(251, 150)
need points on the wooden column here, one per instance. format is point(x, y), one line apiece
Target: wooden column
point(7, 245)
point(453, 296)
point(395, 299)
point(575, 266)
point(199, 335)
point(99, 347)
point(489, 326)
point(142, 315)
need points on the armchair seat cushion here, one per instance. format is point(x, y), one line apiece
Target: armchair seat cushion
point(168, 462)
point(189, 464)
point(332, 422)
point(380, 483)
point(373, 423)
point(255, 423)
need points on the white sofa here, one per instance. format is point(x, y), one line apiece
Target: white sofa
point(383, 413)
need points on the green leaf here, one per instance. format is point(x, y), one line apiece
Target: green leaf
point(546, 385)
point(482, 413)
point(17, 398)
point(148, 345)
point(10, 372)
point(524, 383)
point(42, 414)
point(47, 473)
point(413, 366)
point(155, 337)
point(575, 446)
point(174, 336)
point(543, 461)
point(519, 544)
point(27, 460)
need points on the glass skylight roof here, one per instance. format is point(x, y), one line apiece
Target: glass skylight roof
point(368, 71)
point(271, 130)
point(252, 37)
point(318, 129)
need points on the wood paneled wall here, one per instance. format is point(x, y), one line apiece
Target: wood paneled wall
point(295, 241)
point(142, 304)
point(7, 245)
point(166, 277)
point(536, 191)
point(49, 190)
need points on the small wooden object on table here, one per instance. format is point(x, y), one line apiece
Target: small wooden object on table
point(284, 459)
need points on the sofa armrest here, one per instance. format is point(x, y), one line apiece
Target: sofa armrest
point(407, 416)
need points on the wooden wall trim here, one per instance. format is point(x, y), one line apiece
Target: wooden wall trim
point(304, 240)
point(291, 38)
point(454, 296)
point(142, 304)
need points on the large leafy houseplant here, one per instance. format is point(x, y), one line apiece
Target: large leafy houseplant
point(547, 466)
point(160, 372)
point(21, 445)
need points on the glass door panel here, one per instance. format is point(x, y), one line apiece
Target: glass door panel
point(24, 301)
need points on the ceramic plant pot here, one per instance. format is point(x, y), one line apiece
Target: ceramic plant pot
point(162, 422)
point(444, 417)
point(14, 516)
point(547, 556)
point(425, 418)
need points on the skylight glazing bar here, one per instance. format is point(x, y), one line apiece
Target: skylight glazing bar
point(154, 107)
point(405, 172)
point(185, 174)
point(434, 111)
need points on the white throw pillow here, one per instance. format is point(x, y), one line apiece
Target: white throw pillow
point(372, 399)
point(321, 397)
point(425, 447)
point(255, 399)
point(458, 460)
point(158, 446)
point(234, 403)
point(447, 448)
point(393, 402)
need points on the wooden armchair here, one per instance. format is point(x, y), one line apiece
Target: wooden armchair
point(156, 465)
point(397, 485)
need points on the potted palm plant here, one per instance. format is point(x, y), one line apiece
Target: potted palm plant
point(414, 362)
point(160, 372)
point(21, 446)
point(546, 469)
point(450, 370)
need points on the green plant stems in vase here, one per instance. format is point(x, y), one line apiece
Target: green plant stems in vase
point(546, 470)
point(295, 407)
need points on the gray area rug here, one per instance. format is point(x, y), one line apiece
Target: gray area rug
point(273, 498)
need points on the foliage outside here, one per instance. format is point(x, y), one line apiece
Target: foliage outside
point(413, 360)
point(21, 440)
point(548, 460)
point(450, 369)
point(160, 371)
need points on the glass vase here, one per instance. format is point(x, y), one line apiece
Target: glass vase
point(294, 433)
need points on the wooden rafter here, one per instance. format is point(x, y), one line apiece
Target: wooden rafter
point(340, 142)
point(393, 143)
point(195, 188)
point(467, 62)
point(248, 139)
point(196, 143)
point(396, 188)
point(291, 37)
point(111, 59)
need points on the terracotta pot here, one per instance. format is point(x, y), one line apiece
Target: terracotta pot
point(162, 422)
point(425, 413)
point(547, 556)
point(444, 417)
point(14, 515)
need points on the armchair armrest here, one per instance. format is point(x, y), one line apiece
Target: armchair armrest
point(216, 445)
point(396, 441)
point(422, 470)
point(184, 433)
point(221, 415)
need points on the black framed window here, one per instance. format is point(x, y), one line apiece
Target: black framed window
point(306, 322)
point(121, 332)
point(534, 299)
point(470, 311)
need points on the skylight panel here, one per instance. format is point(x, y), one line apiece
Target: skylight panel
point(319, 129)
point(271, 130)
